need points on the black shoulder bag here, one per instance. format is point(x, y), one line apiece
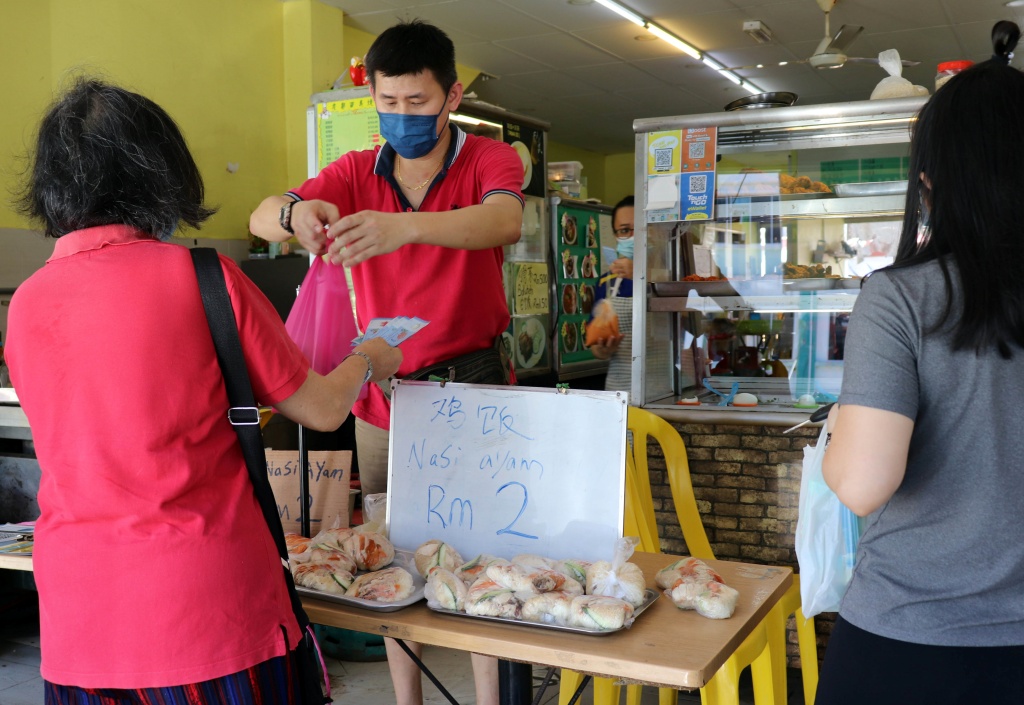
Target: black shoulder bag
point(244, 416)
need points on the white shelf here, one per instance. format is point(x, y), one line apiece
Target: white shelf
point(841, 300)
point(828, 207)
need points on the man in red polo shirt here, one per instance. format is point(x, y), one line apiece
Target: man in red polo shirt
point(422, 222)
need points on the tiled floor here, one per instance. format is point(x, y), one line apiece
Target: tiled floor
point(352, 682)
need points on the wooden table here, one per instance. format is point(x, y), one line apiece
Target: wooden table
point(665, 647)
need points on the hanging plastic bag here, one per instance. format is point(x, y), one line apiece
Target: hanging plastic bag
point(321, 321)
point(827, 533)
point(894, 85)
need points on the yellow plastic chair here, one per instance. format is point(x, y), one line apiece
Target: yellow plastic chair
point(765, 649)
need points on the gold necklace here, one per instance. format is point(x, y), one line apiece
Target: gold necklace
point(398, 174)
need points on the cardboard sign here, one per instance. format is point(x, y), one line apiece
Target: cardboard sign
point(531, 294)
point(330, 474)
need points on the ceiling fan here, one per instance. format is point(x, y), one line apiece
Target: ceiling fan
point(831, 50)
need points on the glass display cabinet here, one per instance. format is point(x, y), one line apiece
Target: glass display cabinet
point(754, 230)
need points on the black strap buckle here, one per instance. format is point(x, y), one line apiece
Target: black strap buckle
point(244, 416)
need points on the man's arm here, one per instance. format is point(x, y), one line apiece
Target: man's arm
point(494, 223)
point(309, 220)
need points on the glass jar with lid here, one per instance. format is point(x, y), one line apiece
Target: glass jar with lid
point(948, 69)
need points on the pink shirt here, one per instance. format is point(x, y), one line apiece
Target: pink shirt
point(153, 562)
point(459, 291)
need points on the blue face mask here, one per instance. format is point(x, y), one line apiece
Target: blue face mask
point(624, 247)
point(412, 136)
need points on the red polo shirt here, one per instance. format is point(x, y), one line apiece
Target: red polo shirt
point(152, 559)
point(459, 291)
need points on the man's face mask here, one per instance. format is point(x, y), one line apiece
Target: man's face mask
point(412, 136)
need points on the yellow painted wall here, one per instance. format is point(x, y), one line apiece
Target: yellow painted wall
point(25, 87)
point(314, 57)
point(217, 67)
point(619, 177)
point(609, 177)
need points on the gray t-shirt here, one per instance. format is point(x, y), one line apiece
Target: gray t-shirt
point(943, 561)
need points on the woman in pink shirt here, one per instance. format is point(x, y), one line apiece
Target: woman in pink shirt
point(158, 578)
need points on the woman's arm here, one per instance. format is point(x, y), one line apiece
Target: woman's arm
point(323, 402)
point(867, 455)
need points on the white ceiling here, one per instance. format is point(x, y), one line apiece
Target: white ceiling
point(579, 66)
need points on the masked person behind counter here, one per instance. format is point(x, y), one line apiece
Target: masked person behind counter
point(927, 442)
point(421, 221)
point(155, 567)
point(616, 287)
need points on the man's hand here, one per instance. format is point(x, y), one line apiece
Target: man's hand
point(310, 220)
point(605, 348)
point(360, 236)
point(622, 267)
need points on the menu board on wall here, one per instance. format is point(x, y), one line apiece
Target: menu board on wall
point(529, 145)
point(577, 268)
point(345, 125)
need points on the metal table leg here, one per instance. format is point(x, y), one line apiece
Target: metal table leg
point(515, 683)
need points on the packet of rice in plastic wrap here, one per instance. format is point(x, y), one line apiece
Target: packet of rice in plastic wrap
point(894, 85)
point(619, 578)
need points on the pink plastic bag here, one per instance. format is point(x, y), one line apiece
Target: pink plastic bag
point(321, 321)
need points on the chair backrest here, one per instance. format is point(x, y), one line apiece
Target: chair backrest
point(645, 425)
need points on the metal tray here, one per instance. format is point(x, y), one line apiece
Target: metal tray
point(871, 188)
point(809, 284)
point(712, 288)
point(416, 596)
point(650, 596)
point(849, 283)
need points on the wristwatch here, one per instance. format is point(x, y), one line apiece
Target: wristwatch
point(285, 219)
point(369, 363)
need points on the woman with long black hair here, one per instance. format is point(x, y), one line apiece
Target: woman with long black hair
point(927, 443)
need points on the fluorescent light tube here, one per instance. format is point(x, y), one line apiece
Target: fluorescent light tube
point(625, 12)
point(671, 39)
point(711, 63)
point(732, 77)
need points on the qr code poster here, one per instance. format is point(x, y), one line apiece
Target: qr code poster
point(699, 151)
point(697, 195)
point(664, 153)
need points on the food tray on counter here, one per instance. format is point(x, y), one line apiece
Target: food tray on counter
point(403, 559)
point(416, 596)
point(872, 188)
point(705, 288)
point(650, 597)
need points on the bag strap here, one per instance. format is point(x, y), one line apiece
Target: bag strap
point(243, 414)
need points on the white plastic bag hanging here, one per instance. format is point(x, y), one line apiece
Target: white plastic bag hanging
point(894, 85)
point(827, 533)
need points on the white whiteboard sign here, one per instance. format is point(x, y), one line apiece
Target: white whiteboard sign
point(507, 470)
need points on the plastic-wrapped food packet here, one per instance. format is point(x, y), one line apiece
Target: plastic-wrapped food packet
point(894, 85)
point(375, 512)
point(619, 578)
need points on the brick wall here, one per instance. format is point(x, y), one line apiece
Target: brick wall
point(747, 483)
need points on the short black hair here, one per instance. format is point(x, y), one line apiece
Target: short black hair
point(106, 156)
point(968, 141)
point(409, 48)
point(626, 202)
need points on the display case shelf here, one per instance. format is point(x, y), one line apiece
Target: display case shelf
point(824, 207)
point(807, 201)
point(804, 301)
